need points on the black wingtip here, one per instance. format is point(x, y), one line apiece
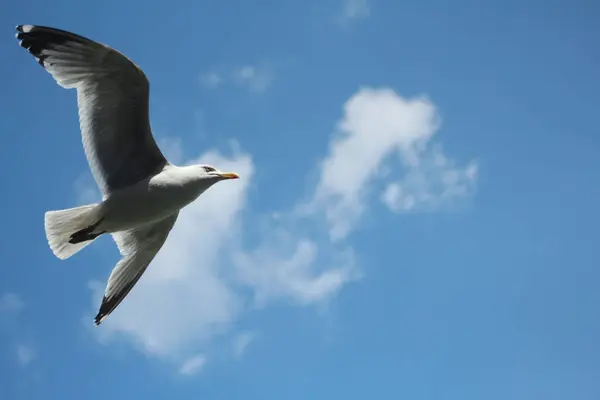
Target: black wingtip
point(98, 319)
point(103, 312)
point(36, 39)
point(20, 31)
point(24, 29)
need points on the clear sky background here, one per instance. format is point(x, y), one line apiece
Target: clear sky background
point(417, 215)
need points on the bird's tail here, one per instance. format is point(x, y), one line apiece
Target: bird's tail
point(66, 229)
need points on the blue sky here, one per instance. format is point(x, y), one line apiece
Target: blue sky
point(416, 216)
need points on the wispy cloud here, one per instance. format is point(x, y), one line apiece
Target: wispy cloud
point(211, 79)
point(183, 298)
point(199, 284)
point(431, 184)
point(286, 266)
point(25, 354)
point(255, 78)
point(189, 294)
point(241, 342)
point(11, 303)
point(172, 149)
point(86, 190)
point(353, 10)
point(193, 365)
point(378, 124)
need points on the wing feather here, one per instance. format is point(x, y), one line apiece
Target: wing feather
point(138, 248)
point(113, 101)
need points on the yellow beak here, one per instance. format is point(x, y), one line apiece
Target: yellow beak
point(229, 175)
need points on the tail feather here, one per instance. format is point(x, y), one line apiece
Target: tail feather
point(60, 225)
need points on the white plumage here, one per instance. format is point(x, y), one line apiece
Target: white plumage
point(142, 192)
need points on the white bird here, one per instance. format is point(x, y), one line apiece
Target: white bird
point(142, 192)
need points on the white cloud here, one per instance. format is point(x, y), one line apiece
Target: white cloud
point(377, 124)
point(172, 149)
point(284, 268)
point(86, 190)
point(252, 77)
point(11, 303)
point(199, 284)
point(183, 298)
point(191, 292)
point(25, 354)
point(192, 365)
point(353, 10)
point(255, 78)
point(211, 79)
point(431, 184)
point(242, 341)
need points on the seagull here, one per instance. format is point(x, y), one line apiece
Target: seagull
point(142, 192)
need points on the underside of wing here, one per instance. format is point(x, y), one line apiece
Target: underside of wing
point(138, 248)
point(113, 99)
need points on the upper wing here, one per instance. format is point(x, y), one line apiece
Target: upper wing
point(138, 247)
point(112, 94)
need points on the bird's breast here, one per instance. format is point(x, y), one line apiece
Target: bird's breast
point(147, 201)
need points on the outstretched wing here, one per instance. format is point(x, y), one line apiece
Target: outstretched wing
point(138, 248)
point(112, 95)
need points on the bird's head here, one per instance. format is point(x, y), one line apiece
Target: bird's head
point(211, 172)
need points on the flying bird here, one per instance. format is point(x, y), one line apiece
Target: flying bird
point(142, 192)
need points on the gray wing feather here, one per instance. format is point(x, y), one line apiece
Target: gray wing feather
point(138, 248)
point(113, 100)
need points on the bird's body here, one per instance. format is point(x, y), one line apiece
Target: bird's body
point(142, 191)
point(150, 200)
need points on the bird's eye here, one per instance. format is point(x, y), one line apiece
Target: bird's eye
point(209, 169)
